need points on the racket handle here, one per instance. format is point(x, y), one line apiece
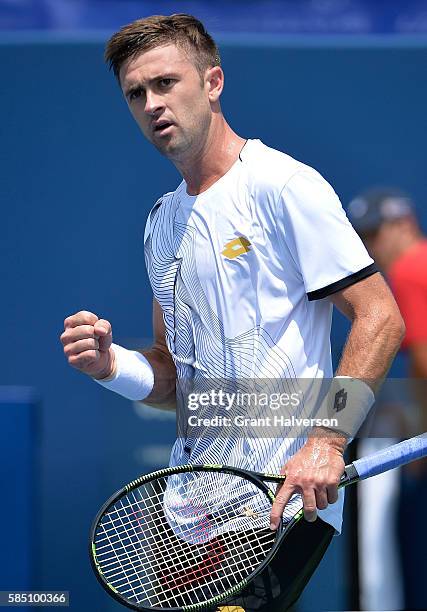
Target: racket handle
point(392, 457)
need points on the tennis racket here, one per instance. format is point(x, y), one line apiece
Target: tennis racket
point(188, 538)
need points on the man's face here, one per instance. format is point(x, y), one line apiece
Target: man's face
point(168, 100)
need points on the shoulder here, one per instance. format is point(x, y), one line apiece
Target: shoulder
point(275, 171)
point(268, 167)
point(310, 188)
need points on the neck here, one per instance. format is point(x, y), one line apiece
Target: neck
point(217, 154)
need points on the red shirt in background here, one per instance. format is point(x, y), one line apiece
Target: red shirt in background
point(408, 280)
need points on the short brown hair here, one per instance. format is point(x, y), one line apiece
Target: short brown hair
point(185, 31)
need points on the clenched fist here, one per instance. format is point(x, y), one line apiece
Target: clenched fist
point(87, 340)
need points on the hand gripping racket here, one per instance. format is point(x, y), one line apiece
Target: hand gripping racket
point(187, 538)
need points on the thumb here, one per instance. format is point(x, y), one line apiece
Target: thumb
point(104, 332)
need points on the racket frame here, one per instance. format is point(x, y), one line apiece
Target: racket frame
point(392, 457)
point(256, 478)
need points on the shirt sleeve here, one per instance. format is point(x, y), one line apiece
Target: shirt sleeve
point(411, 297)
point(325, 247)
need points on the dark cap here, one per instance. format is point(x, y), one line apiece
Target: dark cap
point(371, 208)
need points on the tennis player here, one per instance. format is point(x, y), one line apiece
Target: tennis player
point(246, 259)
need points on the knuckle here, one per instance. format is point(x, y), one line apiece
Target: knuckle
point(89, 357)
point(68, 320)
point(88, 331)
point(307, 484)
point(105, 322)
point(74, 361)
point(291, 480)
point(82, 360)
point(87, 316)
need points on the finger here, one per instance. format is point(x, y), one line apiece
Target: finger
point(282, 497)
point(309, 501)
point(332, 493)
point(84, 360)
point(84, 317)
point(102, 327)
point(88, 344)
point(321, 498)
point(77, 333)
point(104, 333)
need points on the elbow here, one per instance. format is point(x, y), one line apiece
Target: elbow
point(396, 326)
point(402, 328)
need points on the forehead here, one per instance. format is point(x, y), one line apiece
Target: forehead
point(150, 64)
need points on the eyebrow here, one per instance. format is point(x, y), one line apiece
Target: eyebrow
point(133, 88)
point(138, 86)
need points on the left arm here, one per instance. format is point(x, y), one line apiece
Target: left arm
point(376, 333)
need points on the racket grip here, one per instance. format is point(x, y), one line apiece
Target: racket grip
point(392, 457)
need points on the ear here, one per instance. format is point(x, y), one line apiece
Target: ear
point(214, 78)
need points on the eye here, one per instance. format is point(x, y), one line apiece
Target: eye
point(165, 83)
point(135, 94)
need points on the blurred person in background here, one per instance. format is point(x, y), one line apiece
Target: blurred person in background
point(386, 220)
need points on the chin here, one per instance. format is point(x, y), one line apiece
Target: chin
point(163, 147)
point(175, 150)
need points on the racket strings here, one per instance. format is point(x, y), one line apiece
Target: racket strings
point(133, 560)
point(224, 579)
point(135, 513)
point(157, 513)
point(177, 541)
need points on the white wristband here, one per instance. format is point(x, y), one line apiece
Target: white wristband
point(348, 402)
point(134, 377)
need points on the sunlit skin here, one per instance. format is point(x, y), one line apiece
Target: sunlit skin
point(180, 114)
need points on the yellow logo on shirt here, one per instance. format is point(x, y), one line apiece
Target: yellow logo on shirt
point(236, 247)
point(230, 609)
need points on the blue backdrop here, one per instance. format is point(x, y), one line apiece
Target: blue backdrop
point(77, 182)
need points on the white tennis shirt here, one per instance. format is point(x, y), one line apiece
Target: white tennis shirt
point(241, 272)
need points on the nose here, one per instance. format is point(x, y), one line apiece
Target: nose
point(153, 103)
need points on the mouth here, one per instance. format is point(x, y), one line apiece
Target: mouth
point(162, 127)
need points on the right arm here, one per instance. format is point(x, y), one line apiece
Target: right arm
point(87, 345)
point(163, 394)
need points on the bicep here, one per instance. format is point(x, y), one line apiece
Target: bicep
point(368, 297)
